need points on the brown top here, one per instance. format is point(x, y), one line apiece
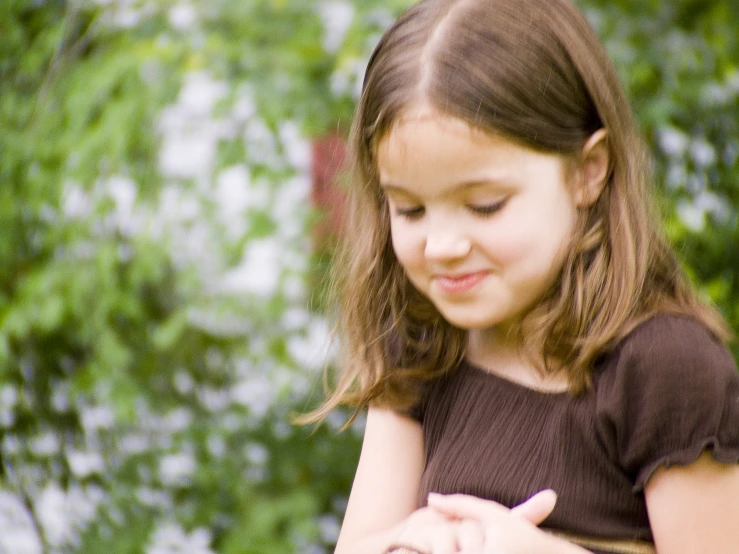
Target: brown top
point(665, 394)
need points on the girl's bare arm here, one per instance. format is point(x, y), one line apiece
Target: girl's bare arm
point(386, 484)
point(695, 508)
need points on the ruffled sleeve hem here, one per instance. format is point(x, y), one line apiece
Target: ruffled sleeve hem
point(720, 453)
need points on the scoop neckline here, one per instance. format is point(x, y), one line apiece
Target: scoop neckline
point(514, 384)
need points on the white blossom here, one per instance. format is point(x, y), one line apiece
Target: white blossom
point(84, 464)
point(731, 153)
point(177, 469)
point(261, 145)
point(8, 400)
point(716, 94)
point(60, 400)
point(291, 206)
point(182, 16)
point(259, 271)
point(44, 445)
point(714, 204)
point(177, 205)
point(691, 215)
point(199, 94)
point(97, 417)
point(702, 152)
point(337, 17)
point(134, 443)
point(187, 156)
point(154, 498)
point(123, 191)
point(294, 288)
point(216, 446)
point(244, 108)
point(255, 393)
point(11, 445)
point(177, 420)
point(62, 514)
point(329, 527)
point(348, 77)
point(183, 382)
point(256, 454)
point(693, 212)
point(214, 400)
point(382, 17)
point(18, 533)
point(189, 134)
point(677, 176)
point(295, 318)
point(76, 202)
point(171, 538)
point(311, 350)
point(673, 142)
point(313, 549)
point(232, 194)
point(297, 149)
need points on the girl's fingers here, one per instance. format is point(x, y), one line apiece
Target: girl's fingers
point(429, 531)
point(470, 536)
point(462, 506)
point(493, 540)
point(537, 508)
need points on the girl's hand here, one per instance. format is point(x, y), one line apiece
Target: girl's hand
point(432, 532)
point(537, 508)
point(443, 527)
point(503, 530)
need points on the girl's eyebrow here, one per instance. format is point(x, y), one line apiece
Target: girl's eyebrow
point(464, 185)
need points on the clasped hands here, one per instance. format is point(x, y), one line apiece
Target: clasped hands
point(461, 524)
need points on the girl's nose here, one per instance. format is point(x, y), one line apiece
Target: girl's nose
point(446, 244)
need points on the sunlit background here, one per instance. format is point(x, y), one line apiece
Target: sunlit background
point(166, 217)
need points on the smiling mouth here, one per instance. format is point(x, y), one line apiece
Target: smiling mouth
point(459, 283)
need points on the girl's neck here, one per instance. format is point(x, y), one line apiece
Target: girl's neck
point(501, 353)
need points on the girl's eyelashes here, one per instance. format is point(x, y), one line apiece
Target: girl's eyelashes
point(416, 212)
point(488, 209)
point(410, 213)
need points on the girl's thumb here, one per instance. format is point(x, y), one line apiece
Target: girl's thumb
point(537, 508)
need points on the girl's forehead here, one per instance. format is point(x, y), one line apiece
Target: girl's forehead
point(438, 152)
point(428, 126)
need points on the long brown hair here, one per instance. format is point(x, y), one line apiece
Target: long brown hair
point(534, 72)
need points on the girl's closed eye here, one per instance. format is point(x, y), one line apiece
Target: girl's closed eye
point(411, 212)
point(488, 209)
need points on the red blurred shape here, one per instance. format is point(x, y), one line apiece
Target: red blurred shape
point(329, 153)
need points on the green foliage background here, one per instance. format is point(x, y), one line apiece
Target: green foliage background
point(144, 405)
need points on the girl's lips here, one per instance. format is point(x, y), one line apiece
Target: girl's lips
point(459, 283)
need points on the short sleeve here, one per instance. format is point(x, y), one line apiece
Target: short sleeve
point(669, 392)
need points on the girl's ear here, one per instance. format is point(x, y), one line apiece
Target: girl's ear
point(595, 164)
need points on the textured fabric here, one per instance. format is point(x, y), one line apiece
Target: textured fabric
point(665, 394)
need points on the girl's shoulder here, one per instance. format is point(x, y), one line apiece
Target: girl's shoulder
point(672, 341)
point(668, 391)
point(667, 346)
point(668, 360)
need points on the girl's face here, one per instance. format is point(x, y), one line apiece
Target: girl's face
point(478, 223)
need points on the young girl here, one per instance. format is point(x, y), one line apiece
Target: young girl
point(512, 317)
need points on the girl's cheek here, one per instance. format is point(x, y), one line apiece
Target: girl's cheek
point(407, 244)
